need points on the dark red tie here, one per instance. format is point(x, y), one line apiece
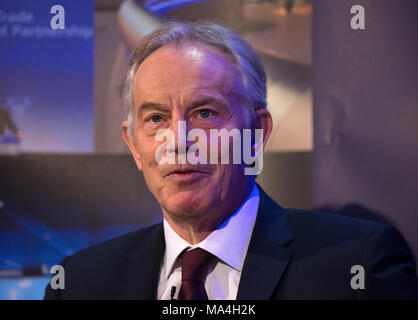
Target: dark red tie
point(195, 265)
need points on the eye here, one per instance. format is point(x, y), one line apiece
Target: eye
point(205, 113)
point(155, 118)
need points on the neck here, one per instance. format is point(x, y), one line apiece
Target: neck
point(197, 227)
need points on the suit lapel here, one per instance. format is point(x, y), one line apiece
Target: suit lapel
point(268, 253)
point(142, 268)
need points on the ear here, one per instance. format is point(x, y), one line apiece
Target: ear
point(264, 121)
point(131, 144)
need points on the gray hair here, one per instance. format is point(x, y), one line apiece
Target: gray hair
point(248, 64)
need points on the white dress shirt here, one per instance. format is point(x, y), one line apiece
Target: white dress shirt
point(229, 242)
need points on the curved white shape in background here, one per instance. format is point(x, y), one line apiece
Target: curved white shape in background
point(135, 22)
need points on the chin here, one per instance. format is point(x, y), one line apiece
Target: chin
point(188, 203)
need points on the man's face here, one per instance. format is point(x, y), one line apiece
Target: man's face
point(191, 83)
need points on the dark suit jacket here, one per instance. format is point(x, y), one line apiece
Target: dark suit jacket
point(293, 254)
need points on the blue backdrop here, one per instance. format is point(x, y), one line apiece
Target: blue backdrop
point(46, 75)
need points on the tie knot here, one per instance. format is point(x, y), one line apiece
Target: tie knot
point(195, 264)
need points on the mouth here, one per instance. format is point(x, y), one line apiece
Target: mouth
point(185, 174)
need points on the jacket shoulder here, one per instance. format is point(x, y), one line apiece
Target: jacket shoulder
point(115, 247)
point(330, 224)
point(328, 236)
point(100, 266)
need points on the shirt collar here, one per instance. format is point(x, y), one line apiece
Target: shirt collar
point(229, 242)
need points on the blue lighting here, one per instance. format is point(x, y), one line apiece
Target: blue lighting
point(160, 7)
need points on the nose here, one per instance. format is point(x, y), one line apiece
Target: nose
point(180, 126)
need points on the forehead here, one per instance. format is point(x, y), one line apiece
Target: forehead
point(174, 70)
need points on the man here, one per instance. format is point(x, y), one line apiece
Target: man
point(222, 236)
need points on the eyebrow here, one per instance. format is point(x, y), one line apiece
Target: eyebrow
point(147, 106)
point(208, 100)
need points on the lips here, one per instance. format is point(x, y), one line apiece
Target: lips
point(184, 171)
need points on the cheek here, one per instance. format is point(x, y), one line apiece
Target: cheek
point(148, 160)
point(150, 168)
point(145, 149)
